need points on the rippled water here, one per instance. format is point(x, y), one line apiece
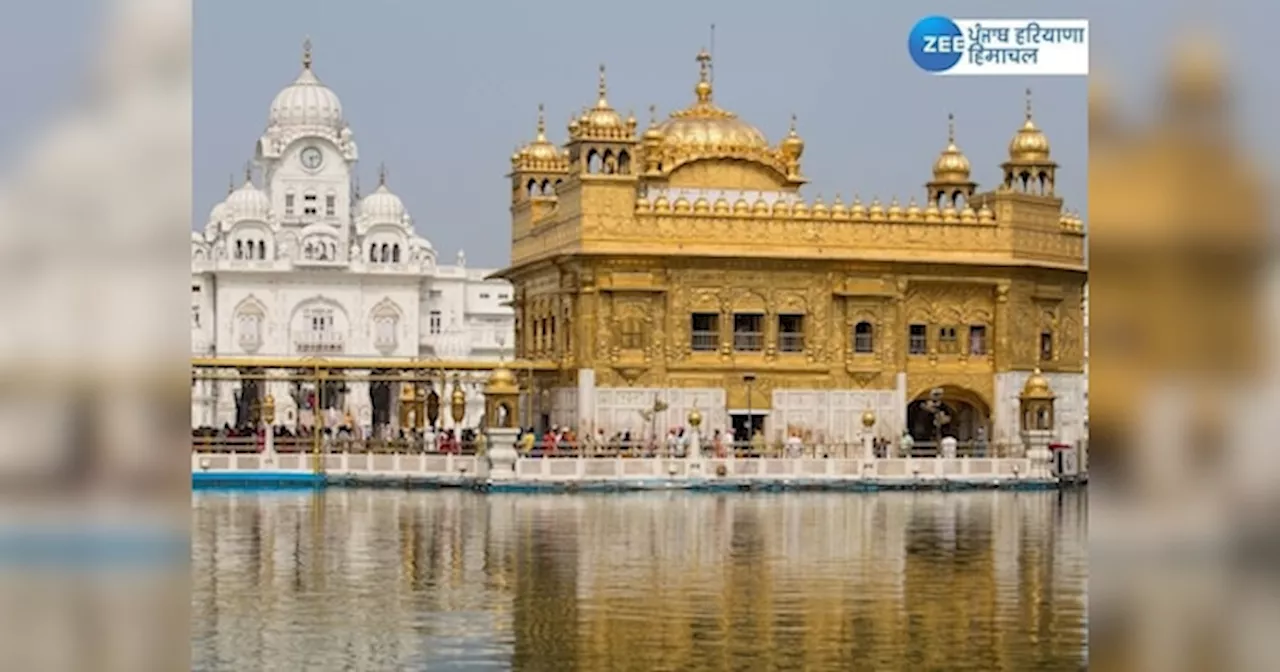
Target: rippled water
point(386, 580)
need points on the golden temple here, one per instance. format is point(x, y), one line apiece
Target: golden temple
point(680, 263)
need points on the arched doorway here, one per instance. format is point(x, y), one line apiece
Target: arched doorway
point(968, 417)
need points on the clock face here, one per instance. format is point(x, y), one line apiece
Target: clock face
point(312, 157)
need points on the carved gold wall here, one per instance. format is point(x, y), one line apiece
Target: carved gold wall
point(699, 215)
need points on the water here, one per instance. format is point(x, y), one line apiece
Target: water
point(388, 580)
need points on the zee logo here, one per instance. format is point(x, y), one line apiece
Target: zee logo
point(936, 43)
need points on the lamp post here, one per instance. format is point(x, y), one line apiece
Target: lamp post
point(268, 428)
point(750, 378)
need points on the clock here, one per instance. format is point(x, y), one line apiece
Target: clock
point(311, 157)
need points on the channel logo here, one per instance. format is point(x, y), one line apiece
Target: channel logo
point(944, 46)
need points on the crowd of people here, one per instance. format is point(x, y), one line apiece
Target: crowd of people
point(556, 441)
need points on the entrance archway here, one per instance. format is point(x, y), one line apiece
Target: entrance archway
point(968, 413)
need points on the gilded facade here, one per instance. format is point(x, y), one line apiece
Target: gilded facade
point(680, 263)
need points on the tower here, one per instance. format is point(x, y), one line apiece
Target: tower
point(600, 142)
point(1029, 169)
point(537, 168)
point(951, 185)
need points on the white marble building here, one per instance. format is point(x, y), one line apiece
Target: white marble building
point(297, 264)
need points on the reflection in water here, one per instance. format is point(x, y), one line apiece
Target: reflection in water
point(375, 580)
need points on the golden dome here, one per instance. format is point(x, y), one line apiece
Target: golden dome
point(952, 165)
point(702, 205)
point(856, 211)
point(868, 418)
point(895, 210)
point(761, 207)
point(781, 208)
point(876, 211)
point(1037, 387)
point(681, 205)
point(721, 206)
point(695, 418)
point(838, 209)
point(652, 134)
point(541, 154)
point(706, 129)
point(1029, 143)
point(601, 120)
point(501, 381)
point(913, 210)
point(792, 145)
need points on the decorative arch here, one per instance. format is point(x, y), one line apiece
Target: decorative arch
point(632, 323)
point(968, 409)
point(750, 301)
point(385, 318)
point(249, 321)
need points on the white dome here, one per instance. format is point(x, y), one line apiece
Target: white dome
point(218, 213)
point(248, 203)
point(306, 102)
point(382, 206)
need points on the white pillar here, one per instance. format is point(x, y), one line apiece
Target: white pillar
point(585, 419)
point(360, 401)
point(501, 452)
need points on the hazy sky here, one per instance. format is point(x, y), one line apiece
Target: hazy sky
point(442, 92)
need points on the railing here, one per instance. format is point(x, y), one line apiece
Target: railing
point(705, 341)
point(318, 342)
point(574, 449)
point(748, 341)
point(791, 342)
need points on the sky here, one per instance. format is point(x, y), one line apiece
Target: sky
point(443, 93)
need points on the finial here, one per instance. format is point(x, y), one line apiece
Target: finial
point(382, 175)
point(356, 186)
point(231, 183)
point(306, 53)
point(653, 115)
point(1028, 103)
point(542, 123)
point(951, 129)
point(704, 65)
point(601, 90)
point(793, 124)
point(1037, 371)
point(248, 172)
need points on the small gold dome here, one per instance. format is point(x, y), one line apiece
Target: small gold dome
point(820, 208)
point(868, 418)
point(1029, 143)
point(695, 418)
point(950, 214)
point(702, 206)
point(895, 210)
point(601, 119)
point(1037, 387)
point(857, 211)
point(781, 208)
point(653, 134)
point(643, 204)
point(838, 209)
point(501, 381)
point(875, 212)
point(721, 206)
point(662, 204)
point(985, 214)
point(932, 213)
point(681, 205)
point(800, 209)
point(952, 165)
point(761, 207)
point(968, 215)
point(913, 210)
point(792, 145)
point(741, 207)
point(541, 149)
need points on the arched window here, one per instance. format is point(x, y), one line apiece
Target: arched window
point(262, 249)
point(395, 253)
point(385, 253)
point(624, 162)
point(239, 249)
point(864, 339)
point(373, 251)
point(594, 162)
